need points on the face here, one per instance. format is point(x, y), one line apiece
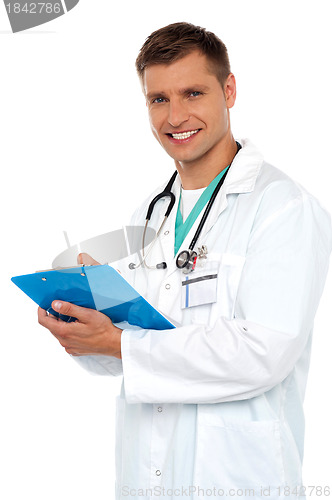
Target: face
point(188, 108)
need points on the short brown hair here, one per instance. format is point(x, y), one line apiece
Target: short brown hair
point(177, 40)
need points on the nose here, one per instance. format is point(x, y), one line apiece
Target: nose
point(177, 113)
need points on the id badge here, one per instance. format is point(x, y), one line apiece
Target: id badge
point(200, 286)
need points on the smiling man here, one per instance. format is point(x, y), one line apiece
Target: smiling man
point(213, 407)
point(189, 116)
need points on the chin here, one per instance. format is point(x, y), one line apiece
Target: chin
point(183, 156)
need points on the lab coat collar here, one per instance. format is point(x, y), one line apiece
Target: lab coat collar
point(245, 168)
point(241, 178)
point(243, 173)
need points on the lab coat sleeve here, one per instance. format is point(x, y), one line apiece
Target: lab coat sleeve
point(100, 365)
point(243, 356)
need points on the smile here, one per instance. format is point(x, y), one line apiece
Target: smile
point(184, 135)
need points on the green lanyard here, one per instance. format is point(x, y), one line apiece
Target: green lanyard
point(183, 228)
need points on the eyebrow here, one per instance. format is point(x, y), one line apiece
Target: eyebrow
point(154, 95)
point(187, 90)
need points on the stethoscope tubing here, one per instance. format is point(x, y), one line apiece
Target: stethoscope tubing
point(207, 211)
point(191, 258)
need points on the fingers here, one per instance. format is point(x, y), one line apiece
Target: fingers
point(86, 260)
point(46, 319)
point(92, 333)
point(53, 324)
point(61, 330)
point(83, 314)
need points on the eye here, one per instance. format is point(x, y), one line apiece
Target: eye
point(195, 93)
point(158, 100)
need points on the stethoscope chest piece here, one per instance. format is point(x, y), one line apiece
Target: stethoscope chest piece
point(186, 260)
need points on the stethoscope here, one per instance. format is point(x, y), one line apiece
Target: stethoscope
point(186, 260)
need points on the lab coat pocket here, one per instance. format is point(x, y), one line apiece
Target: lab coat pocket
point(244, 455)
point(200, 287)
point(229, 274)
point(229, 278)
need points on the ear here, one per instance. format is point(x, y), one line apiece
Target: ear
point(230, 91)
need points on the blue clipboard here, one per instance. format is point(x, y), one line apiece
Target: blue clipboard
point(96, 287)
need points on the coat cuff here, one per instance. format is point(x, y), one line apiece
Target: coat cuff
point(100, 365)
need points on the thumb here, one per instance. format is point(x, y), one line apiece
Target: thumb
point(69, 309)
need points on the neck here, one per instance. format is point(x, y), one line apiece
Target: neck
point(199, 173)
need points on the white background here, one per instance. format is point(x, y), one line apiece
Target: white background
point(77, 155)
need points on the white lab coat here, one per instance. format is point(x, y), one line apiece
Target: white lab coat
point(217, 403)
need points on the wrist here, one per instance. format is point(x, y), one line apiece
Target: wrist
point(115, 345)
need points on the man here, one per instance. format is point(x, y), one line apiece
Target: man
point(214, 406)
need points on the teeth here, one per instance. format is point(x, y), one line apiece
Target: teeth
point(184, 135)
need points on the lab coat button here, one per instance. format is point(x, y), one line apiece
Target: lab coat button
point(245, 328)
point(159, 409)
point(167, 286)
point(158, 473)
point(166, 233)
